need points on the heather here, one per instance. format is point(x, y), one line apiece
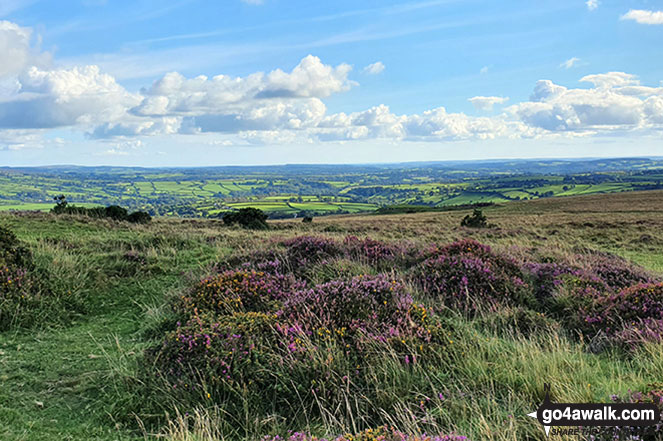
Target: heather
point(188, 329)
point(298, 336)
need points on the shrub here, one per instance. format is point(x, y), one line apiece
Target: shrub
point(251, 218)
point(476, 220)
point(375, 307)
point(614, 271)
point(13, 254)
point(215, 352)
point(307, 219)
point(612, 311)
point(306, 250)
point(653, 394)
point(239, 290)
point(467, 274)
point(374, 251)
point(139, 217)
point(116, 212)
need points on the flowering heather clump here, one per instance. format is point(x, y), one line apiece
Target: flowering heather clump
point(240, 290)
point(374, 251)
point(616, 272)
point(306, 250)
point(371, 306)
point(384, 433)
point(465, 273)
point(626, 308)
point(217, 352)
point(548, 277)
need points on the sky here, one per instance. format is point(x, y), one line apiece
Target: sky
point(240, 82)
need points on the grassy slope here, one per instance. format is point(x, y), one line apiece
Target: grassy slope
point(66, 382)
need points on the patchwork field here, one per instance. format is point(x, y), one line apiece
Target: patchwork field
point(288, 191)
point(382, 326)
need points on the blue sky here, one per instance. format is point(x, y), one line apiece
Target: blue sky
point(190, 82)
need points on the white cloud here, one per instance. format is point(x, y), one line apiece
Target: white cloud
point(17, 50)
point(644, 17)
point(56, 98)
point(617, 102)
point(374, 69)
point(611, 79)
point(175, 94)
point(568, 64)
point(487, 102)
point(288, 107)
point(592, 5)
point(484, 70)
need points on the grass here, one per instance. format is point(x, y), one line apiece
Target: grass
point(79, 377)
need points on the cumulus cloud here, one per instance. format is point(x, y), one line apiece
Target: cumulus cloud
point(57, 98)
point(17, 50)
point(610, 79)
point(568, 64)
point(374, 68)
point(487, 102)
point(175, 94)
point(592, 5)
point(644, 17)
point(288, 106)
point(616, 101)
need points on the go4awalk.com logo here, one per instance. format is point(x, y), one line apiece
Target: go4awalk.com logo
point(585, 416)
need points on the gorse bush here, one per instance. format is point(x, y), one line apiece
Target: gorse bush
point(251, 218)
point(476, 220)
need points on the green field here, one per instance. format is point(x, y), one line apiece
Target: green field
point(320, 190)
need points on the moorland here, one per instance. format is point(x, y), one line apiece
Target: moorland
point(353, 327)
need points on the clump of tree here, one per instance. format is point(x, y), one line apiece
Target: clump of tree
point(114, 212)
point(475, 220)
point(251, 218)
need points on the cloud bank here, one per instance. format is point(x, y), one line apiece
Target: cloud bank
point(287, 106)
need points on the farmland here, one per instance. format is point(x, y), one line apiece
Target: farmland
point(289, 191)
